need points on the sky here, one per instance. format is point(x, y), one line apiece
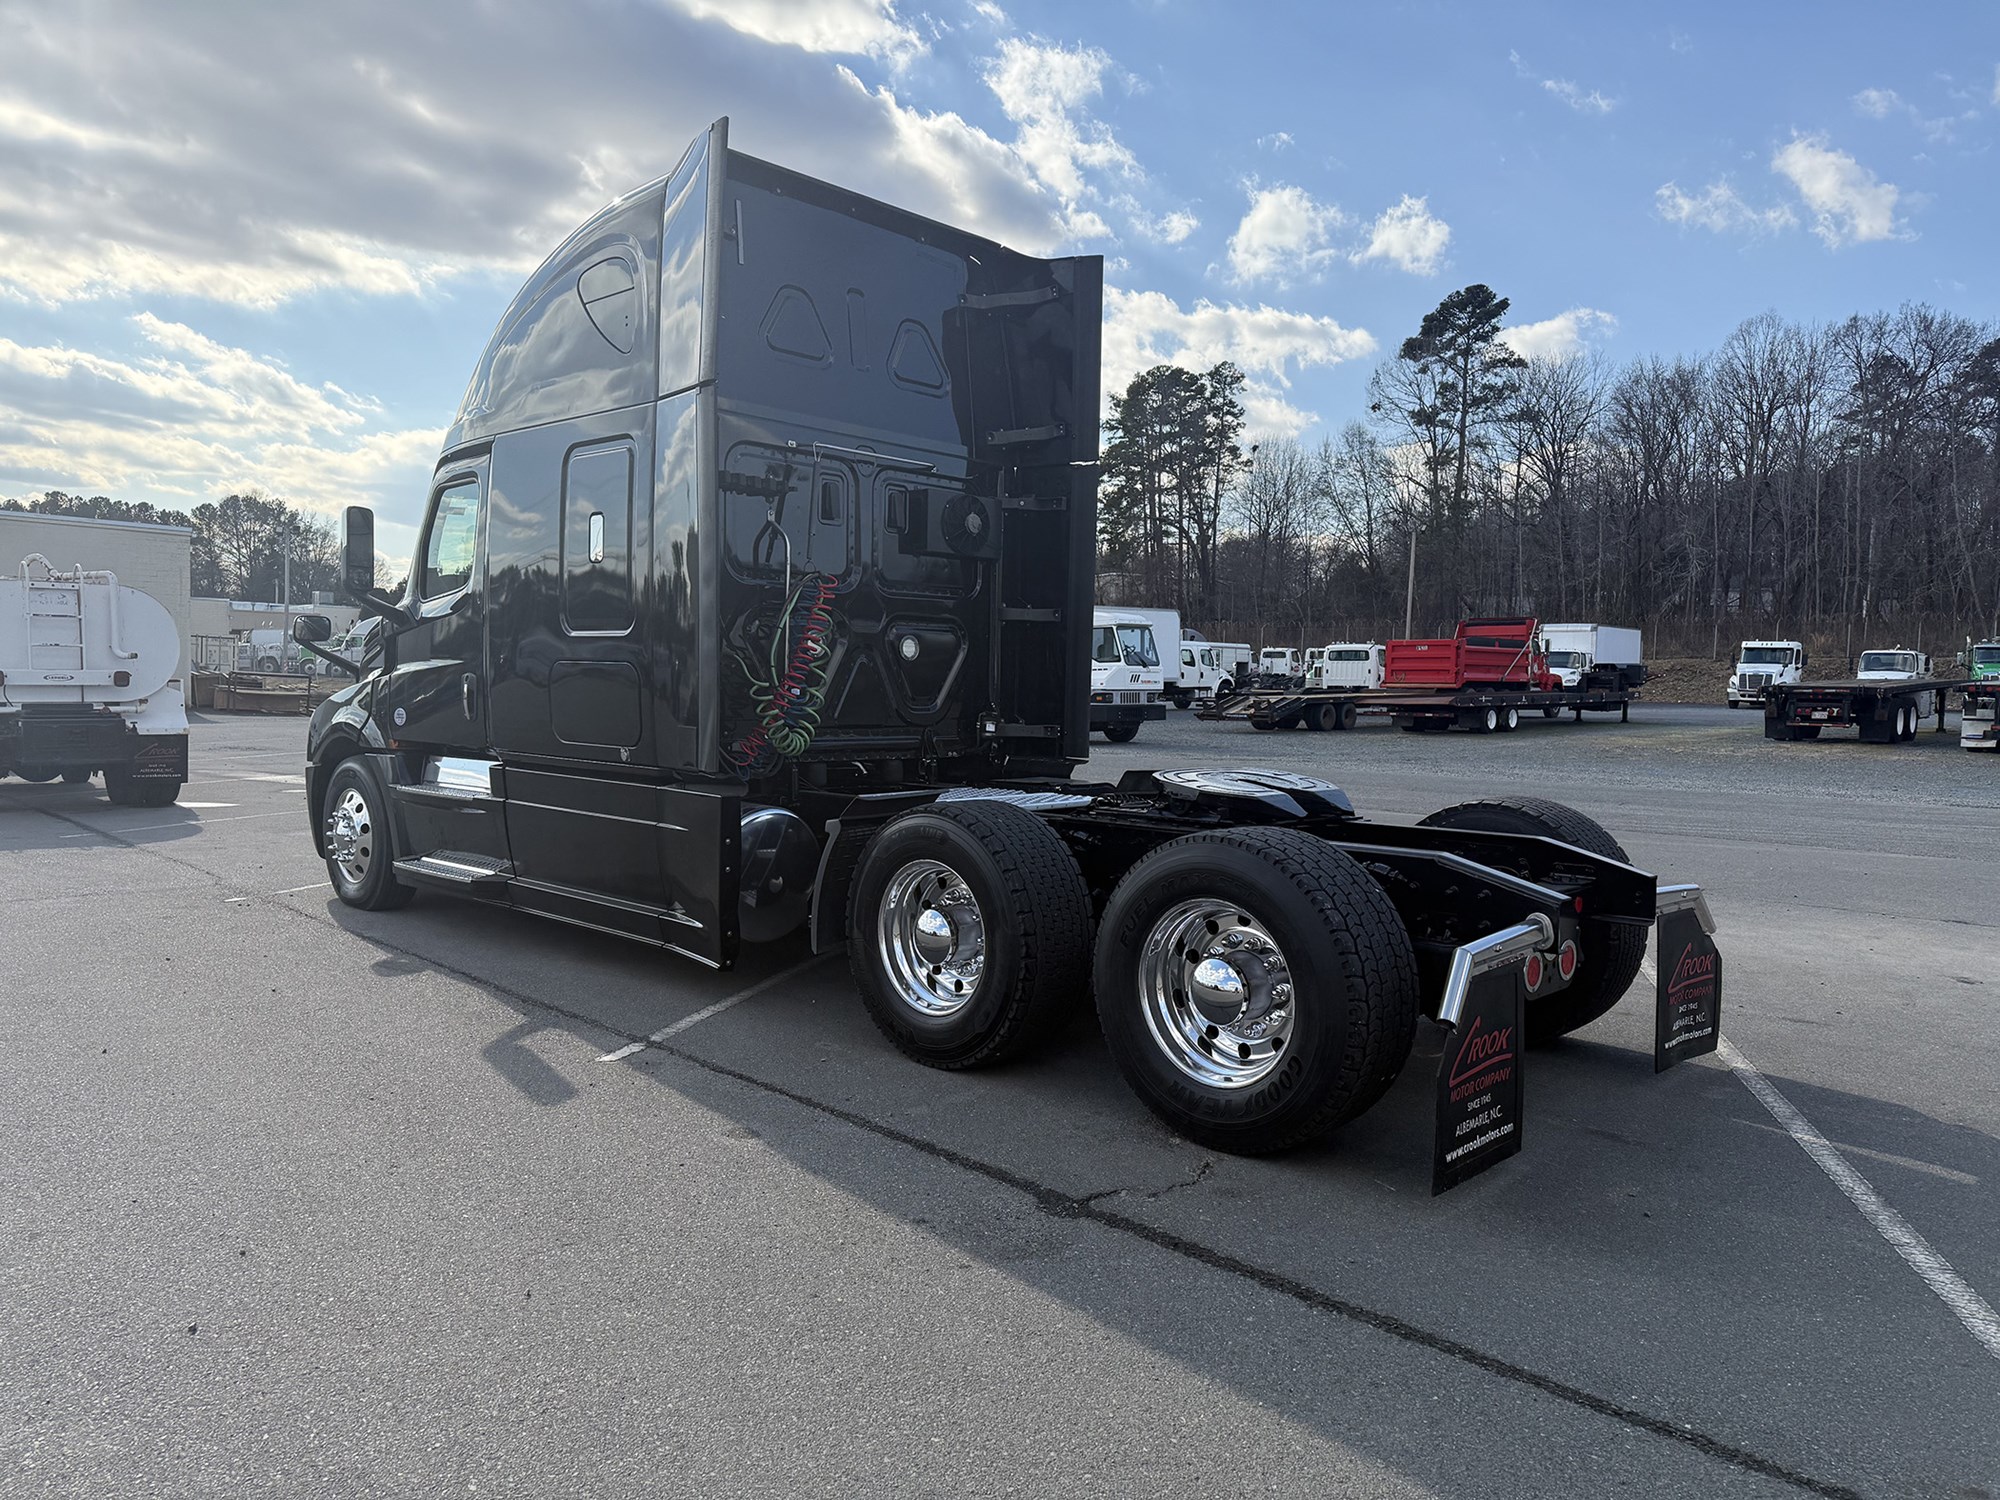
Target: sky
point(261, 245)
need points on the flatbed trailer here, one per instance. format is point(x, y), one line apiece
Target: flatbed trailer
point(1884, 712)
point(1482, 710)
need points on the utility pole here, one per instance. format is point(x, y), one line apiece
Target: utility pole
point(1410, 588)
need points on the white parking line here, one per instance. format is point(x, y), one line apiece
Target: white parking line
point(1972, 1309)
point(714, 1010)
point(317, 885)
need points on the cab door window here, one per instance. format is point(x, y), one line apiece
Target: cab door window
point(451, 543)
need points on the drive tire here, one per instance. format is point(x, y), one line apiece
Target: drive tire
point(127, 790)
point(1033, 914)
point(1323, 717)
point(1510, 720)
point(1342, 942)
point(77, 778)
point(1612, 951)
point(369, 881)
point(1557, 713)
point(1121, 734)
point(36, 774)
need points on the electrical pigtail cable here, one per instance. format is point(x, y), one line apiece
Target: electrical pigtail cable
point(788, 687)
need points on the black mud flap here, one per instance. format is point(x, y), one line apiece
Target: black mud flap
point(1479, 1081)
point(1688, 1018)
point(160, 757)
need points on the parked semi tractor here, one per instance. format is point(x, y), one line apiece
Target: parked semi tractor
point(1979, 717)
point(785, 622)
point(90, 684)
point(1899, 664)
point(1610, 652)
point(1761, 666)
point(1983, 661)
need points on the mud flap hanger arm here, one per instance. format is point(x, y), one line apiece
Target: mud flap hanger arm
point(1483, 955)
point(1673, 898)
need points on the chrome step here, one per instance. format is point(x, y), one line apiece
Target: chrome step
point(449, 867)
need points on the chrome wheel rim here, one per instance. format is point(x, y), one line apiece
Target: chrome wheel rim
point(931, 936)
point(350, 836)
point(1217, 992)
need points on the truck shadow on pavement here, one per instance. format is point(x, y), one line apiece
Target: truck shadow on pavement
point(1642, 1211)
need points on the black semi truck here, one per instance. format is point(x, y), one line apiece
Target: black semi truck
point(754, 593)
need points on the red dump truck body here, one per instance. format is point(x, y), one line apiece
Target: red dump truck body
point(1483, 653)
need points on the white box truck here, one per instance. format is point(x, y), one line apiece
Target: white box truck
point(1575, 650)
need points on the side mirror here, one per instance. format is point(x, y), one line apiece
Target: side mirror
point(357, 566)
point(309, 630)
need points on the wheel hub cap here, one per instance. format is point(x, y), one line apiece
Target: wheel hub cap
point(350, 840)
point(1217, 993)
point(931, 937)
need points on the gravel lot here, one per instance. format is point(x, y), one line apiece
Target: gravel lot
point(306, 1201)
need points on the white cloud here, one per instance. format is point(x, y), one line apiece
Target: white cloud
point(1572, 94)
point(866, 27)
point(134, 159)
point(1559, 338)
point(192, 418)
point(1849, 204)
point(1169, 228)
point(1719, 207)
point(1277, 140)
point(1143, 329)
point(1045, 90)
point(1284, 237)
point(1408, 236)
point(1877, 104)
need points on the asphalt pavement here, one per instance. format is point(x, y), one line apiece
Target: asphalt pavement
point(308, 1201)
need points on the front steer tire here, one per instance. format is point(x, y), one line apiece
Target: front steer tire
point(1612, 951)
point(1121, 734)
point(1353, 980)
point(361, 853)
point(1008, 893)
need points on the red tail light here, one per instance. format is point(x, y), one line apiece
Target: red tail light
point(1566, 961)
point(1531, 972)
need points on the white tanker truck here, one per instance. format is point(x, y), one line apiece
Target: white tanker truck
point(88, 684)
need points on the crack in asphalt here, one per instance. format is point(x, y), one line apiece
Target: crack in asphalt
point(1060, 1205)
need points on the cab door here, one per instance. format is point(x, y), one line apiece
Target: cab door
point(435, 699)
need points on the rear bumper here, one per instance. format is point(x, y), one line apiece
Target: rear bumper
point(90, 742)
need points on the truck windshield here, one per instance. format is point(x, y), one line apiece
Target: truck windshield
point(1986, 656)
point(1138, 643)
point(1766, 656)
point(1888, 661)
point(1565, 658)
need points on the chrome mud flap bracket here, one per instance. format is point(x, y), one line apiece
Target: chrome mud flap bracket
point(1478, 1089)
point(1688, 1000)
